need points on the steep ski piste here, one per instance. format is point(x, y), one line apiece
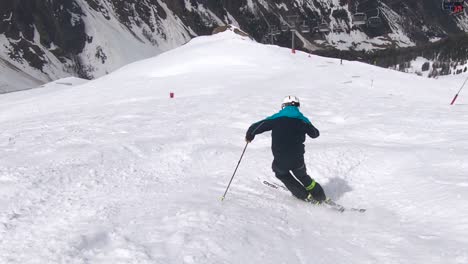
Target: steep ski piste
point(115, 171)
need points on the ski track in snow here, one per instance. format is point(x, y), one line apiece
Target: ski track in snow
point(113, 171)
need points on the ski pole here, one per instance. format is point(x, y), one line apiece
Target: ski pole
point(456, 96)
point(224, 195)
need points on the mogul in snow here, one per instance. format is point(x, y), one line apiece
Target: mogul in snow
point(289, 127)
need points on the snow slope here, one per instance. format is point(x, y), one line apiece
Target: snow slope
point(13, 78)
point(113, 171)
point(18, 74)
point(110, 43)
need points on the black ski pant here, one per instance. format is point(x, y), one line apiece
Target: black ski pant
point(296, 188)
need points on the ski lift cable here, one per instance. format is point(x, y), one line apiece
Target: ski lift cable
point(271, 30)
point(385, 14)
point(364, 10)
point(388, 3)
point(282, 20)
point(264, 18)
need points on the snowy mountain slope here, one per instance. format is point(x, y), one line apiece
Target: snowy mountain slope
point(84, 37)
point(49, 40)
point(13, 79)
point(113, 171)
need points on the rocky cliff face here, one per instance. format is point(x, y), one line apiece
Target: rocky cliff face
point(44, 40)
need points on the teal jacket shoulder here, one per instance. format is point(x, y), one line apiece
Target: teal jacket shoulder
point(291, 112)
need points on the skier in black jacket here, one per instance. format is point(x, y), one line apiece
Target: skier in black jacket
point(289, 127)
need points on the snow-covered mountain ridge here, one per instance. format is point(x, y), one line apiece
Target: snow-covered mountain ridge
point(114, 171)
point(46, 40)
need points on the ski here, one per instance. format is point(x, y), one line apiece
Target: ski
point(274, 186)
point(327, 203)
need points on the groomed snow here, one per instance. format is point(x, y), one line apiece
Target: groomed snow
point(113, 171)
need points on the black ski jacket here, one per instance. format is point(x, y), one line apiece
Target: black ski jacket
point(288, 128)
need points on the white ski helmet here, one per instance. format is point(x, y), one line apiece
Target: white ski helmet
point(290, 101)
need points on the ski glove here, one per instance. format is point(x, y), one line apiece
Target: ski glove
point(249, 137)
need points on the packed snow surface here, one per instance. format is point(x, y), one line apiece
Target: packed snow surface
point(114, 171)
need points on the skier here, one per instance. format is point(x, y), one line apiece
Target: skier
point(289, 127)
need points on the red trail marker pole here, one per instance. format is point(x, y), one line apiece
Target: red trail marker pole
point(456, 96)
